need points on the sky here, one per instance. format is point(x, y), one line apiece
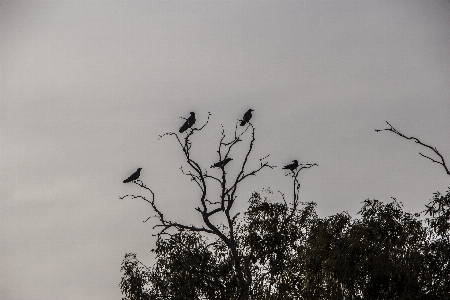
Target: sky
point(87, 87)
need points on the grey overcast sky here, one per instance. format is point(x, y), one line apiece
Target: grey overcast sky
point(87, 87)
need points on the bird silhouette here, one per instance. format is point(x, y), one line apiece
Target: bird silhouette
point(133, 176)
point(189, 122)
point(292, 166)
point(221, 163)
point(247, 117)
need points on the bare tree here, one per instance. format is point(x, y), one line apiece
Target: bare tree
point(221, 205)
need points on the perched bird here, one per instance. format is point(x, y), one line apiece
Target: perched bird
point(247, 117)
point(221, 163)
point(189, 122)
point(133, 176)
point(292, 166)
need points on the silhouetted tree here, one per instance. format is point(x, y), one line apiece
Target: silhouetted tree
point(236, 258)
point(284, 250)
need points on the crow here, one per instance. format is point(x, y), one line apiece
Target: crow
point(292, 166)
point(247, 117)
point(133, 176)
point(221, 163)
point(188, 124)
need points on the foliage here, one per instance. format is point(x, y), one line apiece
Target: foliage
point(437, 252)
point(386, 253)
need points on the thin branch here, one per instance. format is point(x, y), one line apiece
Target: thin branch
point(212, 177)
point(241, 176)
point(282, 196)
point(229, 146)
point(233, 219)
point(294, 174)
point(152, 202)
point(441, 162)
point(187, 145)
point(169, 224)
point(212, 203)
point(164, 223)
point(236, 135)
point(194, 177)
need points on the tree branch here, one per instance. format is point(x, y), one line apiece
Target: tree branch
point(441, 162)
point(164, 223)
point(241, 176)
point(294, 174)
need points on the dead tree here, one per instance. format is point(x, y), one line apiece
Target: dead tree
point(222, 204)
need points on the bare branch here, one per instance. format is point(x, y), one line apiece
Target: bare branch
point(441, 162)
point(294, 174)
point(212, 203)
point(170, 224)
point(234, 217)
point(282, 196)
point(241, 176)
point(212, 177)
point(187, 145)
point(236, 135)
point(164, 223)
point(194, 177)
point(213, 212)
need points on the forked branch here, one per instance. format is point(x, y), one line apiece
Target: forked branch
point(441, 160)
point(294, 174)
point(165, 224)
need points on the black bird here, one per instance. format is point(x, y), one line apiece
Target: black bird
point(133, 176)
point(189, 122)
point(221, 163)
point(292, 166)
point(247, 117)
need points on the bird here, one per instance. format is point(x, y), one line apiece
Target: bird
point(189, 122)
point(247, 117)
point(292, 166)
point(221, 163)
point(133, 176)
